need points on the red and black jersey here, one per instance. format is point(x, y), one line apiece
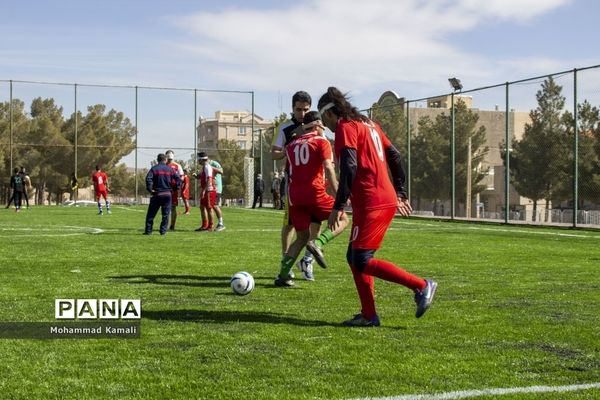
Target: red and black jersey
point(371, 188)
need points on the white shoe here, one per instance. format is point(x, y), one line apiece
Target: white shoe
point(307, 269)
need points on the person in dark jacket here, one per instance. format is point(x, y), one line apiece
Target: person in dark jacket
point(17, 184)
point(259, 189)
point(158, 184)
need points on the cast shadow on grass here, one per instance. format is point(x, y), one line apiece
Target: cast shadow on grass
point(220, 317)
point(177, 280)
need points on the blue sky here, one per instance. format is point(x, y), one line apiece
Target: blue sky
point(277, 47)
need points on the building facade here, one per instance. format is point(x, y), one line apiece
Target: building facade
point(230, 125)
point(491, 201)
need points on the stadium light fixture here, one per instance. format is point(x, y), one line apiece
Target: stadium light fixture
point(455, 83)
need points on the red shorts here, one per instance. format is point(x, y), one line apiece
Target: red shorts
point(302, 216)
point(101, 193)
point(209, 200)
point(185, 194)
point(369, 228)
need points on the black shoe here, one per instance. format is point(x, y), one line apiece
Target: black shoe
point(317, 253)
point(283, 282)
point(201, 229)
point(147, 233)
point(359, 321)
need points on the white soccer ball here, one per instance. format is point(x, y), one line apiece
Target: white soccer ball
point(242, 283)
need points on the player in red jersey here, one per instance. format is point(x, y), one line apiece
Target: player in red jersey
point(101, 189)
point(175, 195)
point(309, 160)
point(364, 154)
point(185, 191)
point(208, 193)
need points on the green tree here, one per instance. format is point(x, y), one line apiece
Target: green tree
point(589, 155)
point(103, 138)
point(432, 162)
point(393, 122)
point(231, 157)
point(48, 148)
point(539, 161)
point(20, 126)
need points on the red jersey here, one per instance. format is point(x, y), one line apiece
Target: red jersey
point(176, 168)
point(207, 178)
point(100, 180)
point(306, 173)
point(372, 188)
point(185, 187)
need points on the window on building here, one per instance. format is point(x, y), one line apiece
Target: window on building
point(242, 144)
point(242, 131)
point(209, 130)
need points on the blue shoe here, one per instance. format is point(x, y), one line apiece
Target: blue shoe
point(424, 297)
point(358, 321)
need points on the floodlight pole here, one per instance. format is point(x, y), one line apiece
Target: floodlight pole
point(136, 146)
point(453, 156)
point(575, 152)
point(75, 141)
point(10, 126)
point(506, 160)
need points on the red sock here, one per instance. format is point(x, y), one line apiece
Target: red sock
point(389, 272)
point(365, 286)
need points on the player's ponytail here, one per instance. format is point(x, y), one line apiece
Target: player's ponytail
point(338, 103)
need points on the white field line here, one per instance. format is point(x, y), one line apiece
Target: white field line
point(58, 230)
point(129, 209)
point(491, 229)
point(465, 394)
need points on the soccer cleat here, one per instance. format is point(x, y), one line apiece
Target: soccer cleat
point(307, 269)
point(424, 297)
point(100, 212)
point(219, 228)
point(201, 229)
point(317, 253)
point(283, 282)
point(291, 275)
point(359, 321)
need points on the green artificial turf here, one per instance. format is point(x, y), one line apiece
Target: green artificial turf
point(515, 307)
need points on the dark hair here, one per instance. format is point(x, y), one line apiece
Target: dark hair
point(161, 157)
point(311, 116)
point(16, 170)
point(301, 96)
point(97, 168)
point(341, 106)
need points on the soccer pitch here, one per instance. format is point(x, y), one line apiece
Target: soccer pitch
point(517, 308)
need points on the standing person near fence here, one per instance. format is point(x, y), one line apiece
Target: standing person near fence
point(175, 195)
point(101, 189)
point(275, 187)
point(27, 183)
point(365, 153)
point(159, 183)
point(185, 191)
point(208, 193)
point(218, 175)
point(259, 189)
point(18, 187)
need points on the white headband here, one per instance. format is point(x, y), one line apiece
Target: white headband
point(326, 107)
point(313, 123)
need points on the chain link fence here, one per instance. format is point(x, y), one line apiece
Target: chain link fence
point(60, 130)
point(526, 151)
